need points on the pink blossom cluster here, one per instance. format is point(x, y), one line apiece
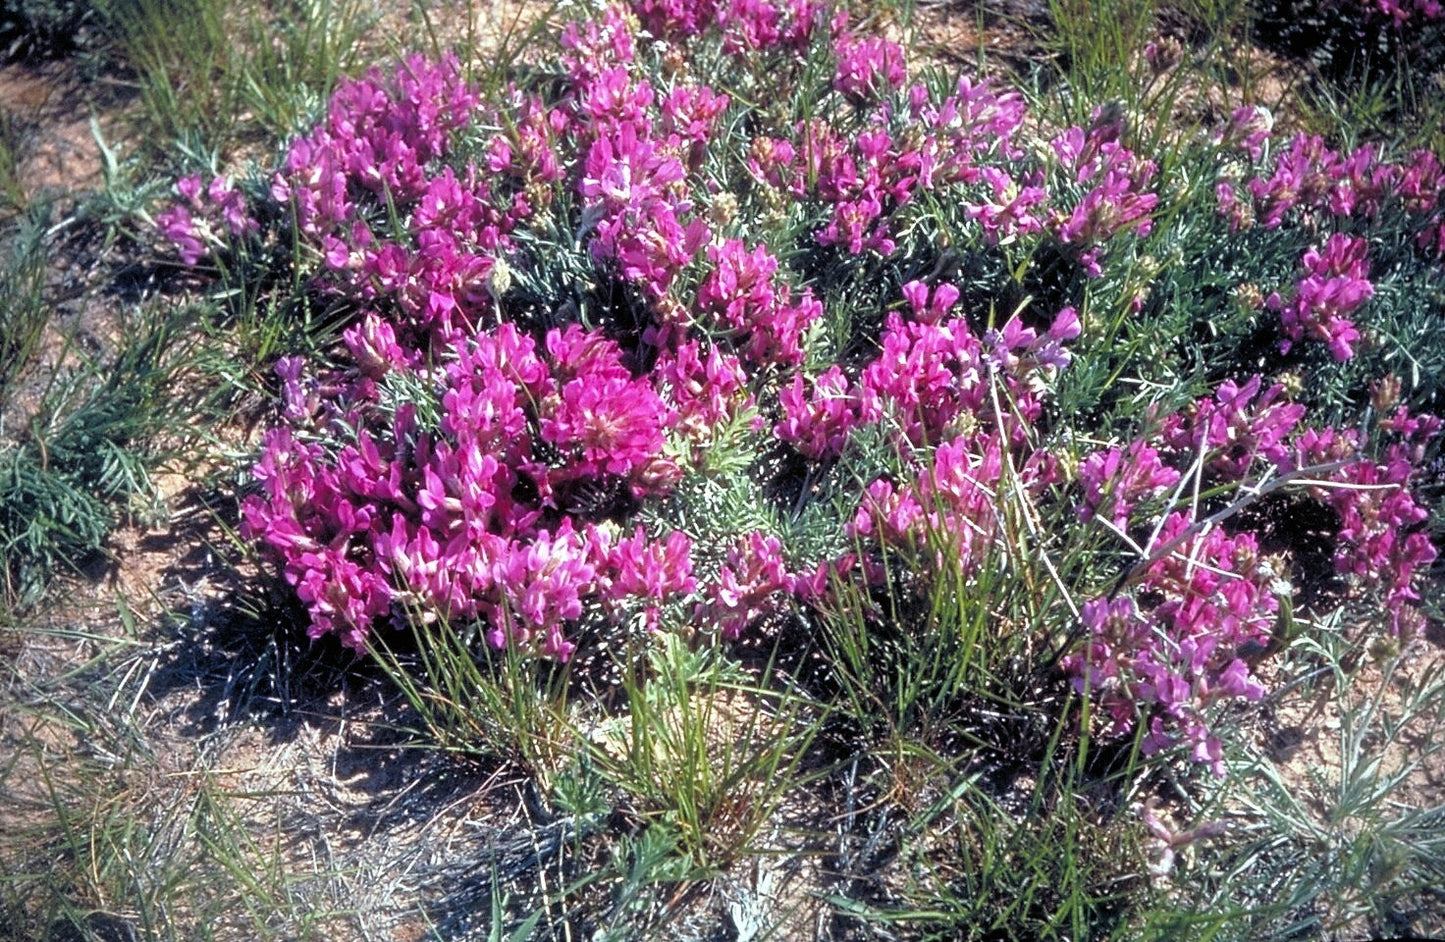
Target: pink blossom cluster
point(1182, 633)
point(1117, 198)
point(746, 26)
point(636, 191)
point(1380, 547)
point(1335, 284)
point(1210, 599)
point(707, 387)
point(632, 149)
point(207, 217)
point(818, 416)
point(908, 144)
point(869, 67)
point(948, 516)
point(938, 389)
point(380, 133)
point(1308, 178)
point(465, 519)
point(487, 508)
point(742, 296)
point(636, 148)
point(915, 146)
point(1234, 432)
point(932, 380)
point(1013, 207)
point(378, 153)
point(1248, 131)
point(1395, 13)
point(1116, 480)
point(750, 584)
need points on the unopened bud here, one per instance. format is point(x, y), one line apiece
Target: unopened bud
point(1163, 55)
point(724, 207)
point(499, 282)
point(1386, 394)
point(1248, 296)
point(1292, 383)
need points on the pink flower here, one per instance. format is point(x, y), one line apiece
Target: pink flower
point(633, 191)
point(1335, 285)
point(542, 584)
point(602, 420)
point(818, 425)
point(750, 584)
point(707, 392)
point(744, 296)
point(177, 225)
point(1235, 428)
point(869, 67)
point(1118, 200)
point(1117, 479)
point(651, 571)
point(1210, 597)
point(925, 377)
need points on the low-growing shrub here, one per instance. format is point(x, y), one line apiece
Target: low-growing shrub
point(629, 351)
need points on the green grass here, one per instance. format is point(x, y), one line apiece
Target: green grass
point(82, 460)
point(1340, 847)
point(211, 76)
point(13, 198)
point(109, 829)
point(23, 313)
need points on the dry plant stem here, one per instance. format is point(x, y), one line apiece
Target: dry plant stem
point(1300, 477)
point(1029, 515)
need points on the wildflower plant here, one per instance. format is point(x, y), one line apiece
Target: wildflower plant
point(630, 352)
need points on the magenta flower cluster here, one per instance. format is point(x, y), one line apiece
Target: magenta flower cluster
point(1117, 197)
point(1397, 14)
point(1335, 284)
point(1119, 479)
point(1314, 186)
point(471, 455)
point(1180, 634)
point(1308, 179)
point(1380, 547)
point(462, 519)
point(205, 218)
point(743, 299)
point(1163, 662)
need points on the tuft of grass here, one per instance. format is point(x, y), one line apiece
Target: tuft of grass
point(1365, 74)
point(13, 198)
point(1058, 867)
point(482, 702)
point(1097, 45)
point(83, 460)
point(23, 312)
point(704, 751)
point(111, 834)
point(214, 75)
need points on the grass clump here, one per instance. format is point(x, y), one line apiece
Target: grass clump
point(214, 76)
point(83, 459)
point(23, 315)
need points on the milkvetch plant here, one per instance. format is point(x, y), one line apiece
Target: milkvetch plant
point(577, 304)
